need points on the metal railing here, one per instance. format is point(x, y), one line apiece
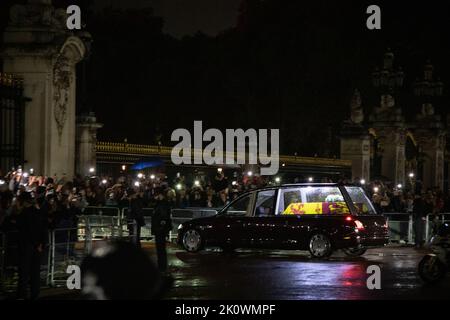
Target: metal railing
point(102, 211)
point(178, 216)
point(65, 249)
point(401, 226)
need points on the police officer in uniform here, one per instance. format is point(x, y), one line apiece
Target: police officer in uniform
point(161, 226)
point(135, 216)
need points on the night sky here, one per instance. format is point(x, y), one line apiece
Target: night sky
point(185, 17)
point(158, 65)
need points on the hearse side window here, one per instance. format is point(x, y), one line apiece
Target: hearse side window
point(241, 207)
point(287, 197)
point(265, 203)
point(360, 200)
point(312, 200)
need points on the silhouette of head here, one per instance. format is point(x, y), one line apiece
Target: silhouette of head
point(120, 271)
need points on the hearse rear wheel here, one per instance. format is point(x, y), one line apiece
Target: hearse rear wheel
point(354, 252)
point(192, 241)
point(320, 246)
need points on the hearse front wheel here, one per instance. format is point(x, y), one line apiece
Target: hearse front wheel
point(192, 240)
point(320, 246)
point(354, 252)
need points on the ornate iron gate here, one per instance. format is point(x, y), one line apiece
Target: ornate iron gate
point(12, 122)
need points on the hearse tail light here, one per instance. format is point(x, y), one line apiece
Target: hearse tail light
point(359, 225)
point(349, 219)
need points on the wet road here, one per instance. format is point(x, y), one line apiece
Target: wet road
point(291, 275)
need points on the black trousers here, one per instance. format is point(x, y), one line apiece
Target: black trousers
point(135, 238)
point(29, 264)
point(161, 253)
point(418, 228)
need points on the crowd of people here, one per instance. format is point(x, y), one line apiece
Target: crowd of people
point(65, 198)
point(32, 204)
point(389, 198)
point(63, 195)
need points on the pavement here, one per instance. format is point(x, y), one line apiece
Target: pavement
point(289, 275)
point(292, 275)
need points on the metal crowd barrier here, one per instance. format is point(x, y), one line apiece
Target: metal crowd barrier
point(148, 212)
point(401, 226)
point(178, 216)
point(102, 211)
point(65, 249)
point(68, 246)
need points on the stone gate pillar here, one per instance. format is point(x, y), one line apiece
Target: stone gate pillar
point(38, 47)
point(430, 135)
point(86, 143)
point(393, 140)
point(355, 140)
point(355, 146)
point(390, 127)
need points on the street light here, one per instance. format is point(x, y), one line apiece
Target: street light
point(104, 181)
point(219, 170)
point(399, 186)
point(91, 170)
point(137, 184)
point(363, 182)
point(277, 179)
point(411, 175)
point(140, 175)
point(310, 179)
point(196, 183)
point(124, 167)
point(178, 186)
point(249, 173)
point(233, 183)
point(376, 189)
point(31, 171)
point(2, 182)
point(152, 176)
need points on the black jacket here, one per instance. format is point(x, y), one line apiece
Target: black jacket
point(161, 218)
point(32, 227)
point(135, 211)
point(419, 210)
